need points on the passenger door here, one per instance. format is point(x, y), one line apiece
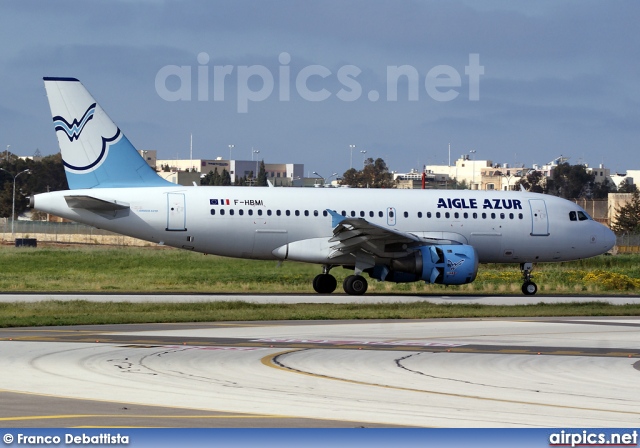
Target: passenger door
point(539, 218)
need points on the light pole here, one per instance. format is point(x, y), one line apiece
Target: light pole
point(321, 177)
point(6, 154)
point(351, 147)
point(230, 148)
point(13, 205)
point(363, 152)
point(473, 167)
point(255, 175)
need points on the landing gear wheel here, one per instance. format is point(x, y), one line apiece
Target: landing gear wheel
point(529, 288)
point(355, 285)
point(324, 283)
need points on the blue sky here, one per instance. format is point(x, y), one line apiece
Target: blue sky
point(559, 78)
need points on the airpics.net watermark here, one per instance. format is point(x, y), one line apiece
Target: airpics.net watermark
point(256, 83)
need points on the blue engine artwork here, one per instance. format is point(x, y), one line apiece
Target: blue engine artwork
point(445, 265)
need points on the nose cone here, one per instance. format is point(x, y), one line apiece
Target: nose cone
point(608, 238)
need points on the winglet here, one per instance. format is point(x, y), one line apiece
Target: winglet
point(336, 218)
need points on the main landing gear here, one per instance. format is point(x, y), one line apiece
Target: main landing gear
point(528, 287)
point(355, 285)
point(326, 283)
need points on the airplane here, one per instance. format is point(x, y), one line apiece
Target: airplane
point(435, 236)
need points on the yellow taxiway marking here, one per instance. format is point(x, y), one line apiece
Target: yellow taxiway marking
point(270, 361)
point(60, 417)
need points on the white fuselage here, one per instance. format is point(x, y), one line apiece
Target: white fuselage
point(277, 223)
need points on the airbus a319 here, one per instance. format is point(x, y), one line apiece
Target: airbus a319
point(435, 236)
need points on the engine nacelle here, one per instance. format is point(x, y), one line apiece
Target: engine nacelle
point(445, 265)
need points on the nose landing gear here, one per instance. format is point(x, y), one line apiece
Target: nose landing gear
point(528, 287)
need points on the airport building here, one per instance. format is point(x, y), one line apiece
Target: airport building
point(183, 170)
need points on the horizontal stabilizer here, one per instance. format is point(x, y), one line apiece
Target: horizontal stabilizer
point(95, 204)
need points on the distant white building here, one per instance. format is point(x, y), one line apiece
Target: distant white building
point(278, 173)
point(600, 174)
point(150, 156)
point(632, 177)
point(465, 169)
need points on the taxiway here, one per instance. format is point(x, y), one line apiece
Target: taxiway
point(556, 372)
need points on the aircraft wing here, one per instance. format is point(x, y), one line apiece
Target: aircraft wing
point(353, 234)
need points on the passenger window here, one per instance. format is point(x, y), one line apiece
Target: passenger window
point(297, 212)
point(371, 214)
point(437, 214)
point(406, 214)
point(390, 214)
point(428, 214)
point(344, 213)
point(466, 215)
point(315, 213)
point(493, 216)
point(501, 215)
point(446, 215)
point(484, 215)
point(278, 212)
point(288, 213)
point(362, 214)
point(573, 216)
point(475, 215)
point(325, 213)
point(582, 216)
point(380, 214)
point(231, 212)
point(306, 213)
point(213, 211)
point(250, 212)
point(222, 212)
point(456, 215)
point(241, 212)
point(520, 215)
point(268, 212)
point(510, 215)
point(353, 214)
point(419, 214)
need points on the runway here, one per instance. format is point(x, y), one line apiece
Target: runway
point(317, 298)
point(556, 372)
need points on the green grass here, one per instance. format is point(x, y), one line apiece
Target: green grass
point(82, 312)
point(130, 269)
point(162, 270)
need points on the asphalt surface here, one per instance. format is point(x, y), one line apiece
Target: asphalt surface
point(457, 372)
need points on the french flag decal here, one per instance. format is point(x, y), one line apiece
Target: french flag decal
point(218, 201)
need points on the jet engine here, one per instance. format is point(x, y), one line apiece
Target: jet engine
point(445, 265)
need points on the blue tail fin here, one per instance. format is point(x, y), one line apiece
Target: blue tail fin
point(95, 153)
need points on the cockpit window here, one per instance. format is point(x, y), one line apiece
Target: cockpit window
point(573, 216)
point(582, 216)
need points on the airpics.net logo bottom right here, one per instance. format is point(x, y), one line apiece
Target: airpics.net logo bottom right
point(255, 83)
